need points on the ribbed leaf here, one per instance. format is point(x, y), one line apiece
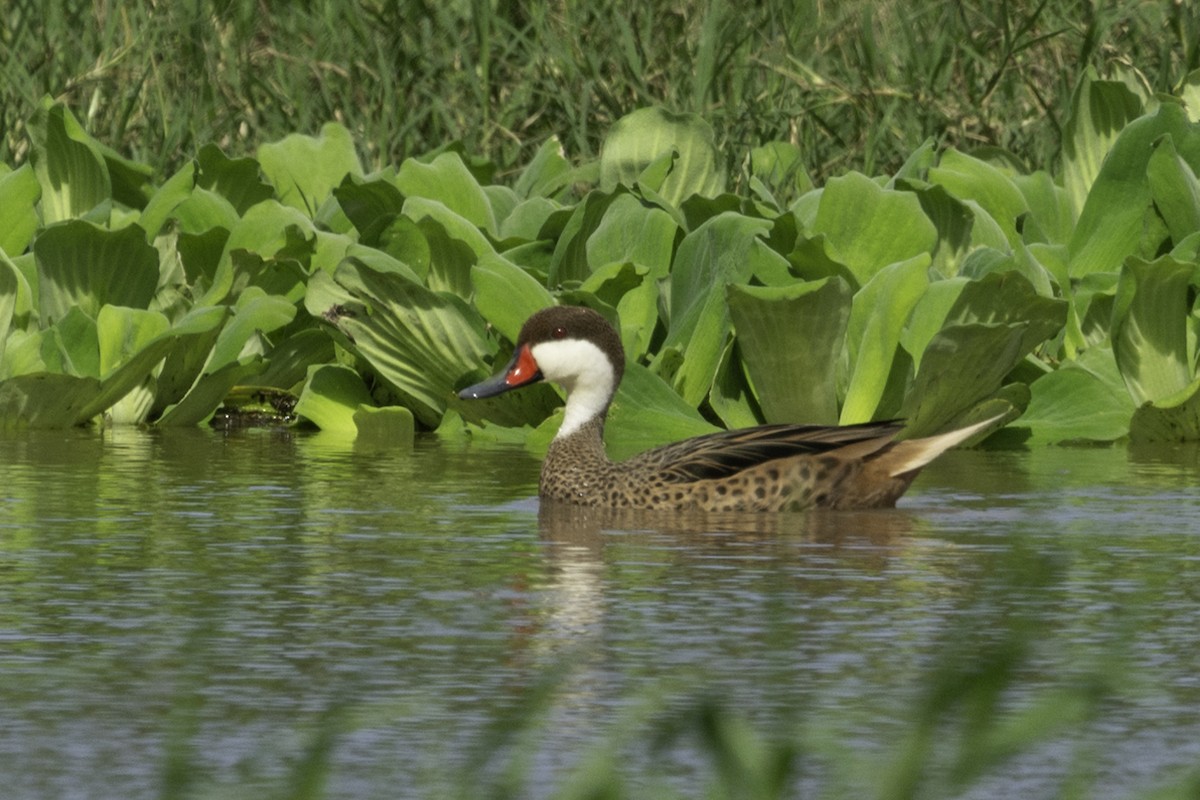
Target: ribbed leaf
point(1175, 190)
point(507, 295)
point(1149, 329)
point(867, 227)
point(1171, 419)
point(631, 232)
point(724, 250)
point(44, 400)
point(791, 341)
point(447, 180)
point(68, 163)
point(331, 396)
point(961, 366)
point(646, 412)
point(9, 280)
point(19, 193)
point(305, 169)
point(1113, 223)
point(83, 266)
point(1083, 400)
point(969, 178)
point(420, 342)
point(1099, 110)
point(638, 140)
point(878, 316)
point(546, 173)
point(237, 180)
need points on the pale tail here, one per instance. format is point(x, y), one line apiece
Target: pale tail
point(915, 453)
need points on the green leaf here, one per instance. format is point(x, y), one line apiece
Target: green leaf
point(447, 181)
point(790, 338)
point(1083, 400)
point(1099, 111)
point(507, 295)
point(962, 365)
point(44, 400)
point(953, 219)
point(209, 391)
point(726, 249)
point(877, 319)
point(166, 199)
point(1009, 297)
point(646, 413)
point(631, 232)
point(1170, 419)
point(867, 227)
point(255, 314)
point(969, 178)
point(780, 167)
point(1051, 217)
point(123, 332)
point(570, 261)
point(731, 397)
point(454, 247)
point(236, 180)
point(268, 230)
point(9, 284)
point(1149, 327)
point(1175, 190)
point(69, 165)
point(546, 173)
point(305, 170)
point(369, 205)
point(331, 396)
point(1113, 224)
point(19, 193)
point(420, 342)
point(643, 137)
point(82, 266)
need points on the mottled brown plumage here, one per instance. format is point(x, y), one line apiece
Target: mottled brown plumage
point(765, 468)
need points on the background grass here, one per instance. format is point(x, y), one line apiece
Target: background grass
point(856, 84)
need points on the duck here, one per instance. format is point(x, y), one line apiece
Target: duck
point(765, 468)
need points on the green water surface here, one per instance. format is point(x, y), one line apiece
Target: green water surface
point(192, 614)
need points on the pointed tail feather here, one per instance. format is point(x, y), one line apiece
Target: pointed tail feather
point(912, 454)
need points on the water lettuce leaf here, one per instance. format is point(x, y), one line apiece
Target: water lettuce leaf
point(331, 396)
point(69, 165)
point(790, 338)
point(447, 181)
point(84, 266)
point(419, 341)
point(1083, 400)
point(305, 169)
point(867, 227)
point(640, 139)
point(1149, 327)
point(878, 315)
point(19, 194)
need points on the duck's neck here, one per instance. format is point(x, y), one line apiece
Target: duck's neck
point(576, 466)
point(587, 400)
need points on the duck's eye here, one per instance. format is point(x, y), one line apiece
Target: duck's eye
point(559, 333)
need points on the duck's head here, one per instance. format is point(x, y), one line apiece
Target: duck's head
point(572, 346)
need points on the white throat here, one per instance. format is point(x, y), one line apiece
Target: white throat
point(584, 371)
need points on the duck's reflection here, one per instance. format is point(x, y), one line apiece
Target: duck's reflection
point(588, 529)
point(591, 553)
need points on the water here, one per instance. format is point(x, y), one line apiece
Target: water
point(193, 614)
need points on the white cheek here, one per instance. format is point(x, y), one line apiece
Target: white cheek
point(584, 371)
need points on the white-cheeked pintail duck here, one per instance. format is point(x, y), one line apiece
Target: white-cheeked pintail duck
point(765, 468)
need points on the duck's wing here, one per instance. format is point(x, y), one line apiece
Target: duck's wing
point(718, 455)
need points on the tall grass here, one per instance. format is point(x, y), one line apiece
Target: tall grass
point(856, 84)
